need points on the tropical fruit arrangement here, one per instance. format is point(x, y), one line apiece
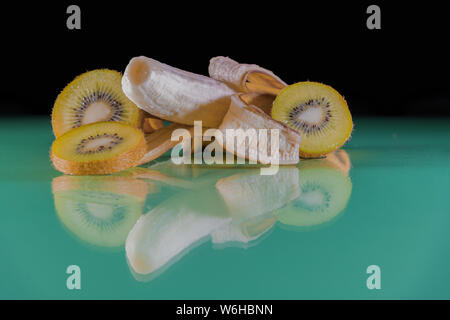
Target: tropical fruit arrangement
point(105, 122)
point(161, 212)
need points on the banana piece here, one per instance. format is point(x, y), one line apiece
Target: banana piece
point(249, 117)
point(151, 124)
point(175, 95)
point(159, 142)
point(245, 77)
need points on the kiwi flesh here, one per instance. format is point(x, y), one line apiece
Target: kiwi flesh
point(318, 112)
point(325, 191)
point(98, 148)
point(94, 96)
point(99, 210)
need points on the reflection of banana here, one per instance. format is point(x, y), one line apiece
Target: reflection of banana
point(251, 198)
point(325, 191)
point(341, 160)
point(243, 234)
point(100, 210)
point(249, 194)
point(172, 228)
point(236, 212)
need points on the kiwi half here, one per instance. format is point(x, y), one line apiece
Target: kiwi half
point(318, 112)
point(325, 191)
point(94, 96)
point(98, 148)
point(99, 210)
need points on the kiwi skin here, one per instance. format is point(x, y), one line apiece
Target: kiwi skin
point(317, 155)
point(117, 163)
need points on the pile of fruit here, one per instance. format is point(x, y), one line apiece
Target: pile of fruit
point(105, 123)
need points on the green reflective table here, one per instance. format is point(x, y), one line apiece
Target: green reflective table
point(368, 222)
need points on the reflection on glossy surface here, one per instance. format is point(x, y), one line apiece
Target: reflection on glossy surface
point(232, 207)
point(325, 191)
point(229, 205)
point(99, 210)
point(397, 217)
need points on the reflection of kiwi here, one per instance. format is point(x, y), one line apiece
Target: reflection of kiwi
point(325, 193)
point(100, 210)
point(98, 148)
point(337, 160)
point(318, 112)
point(94, 96)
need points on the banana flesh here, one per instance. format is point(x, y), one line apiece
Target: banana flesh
point(218, 101)
point(159, 142)
point(247, 117)
point(175, 95)
point(245, 77)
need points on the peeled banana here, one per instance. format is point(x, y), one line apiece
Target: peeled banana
point(175, 95)
point(241, 118)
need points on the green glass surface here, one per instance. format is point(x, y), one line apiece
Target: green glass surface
point(197, 232)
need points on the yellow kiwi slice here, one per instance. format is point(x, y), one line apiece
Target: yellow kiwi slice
point(318, 112)
point(94, 96)
point(98, 148)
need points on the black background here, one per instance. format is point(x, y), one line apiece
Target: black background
point(400, 70)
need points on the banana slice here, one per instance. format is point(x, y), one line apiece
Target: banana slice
point(249, 117)
point(151, 124)
point(159, 142)
point(175, 95)
point(245, 77)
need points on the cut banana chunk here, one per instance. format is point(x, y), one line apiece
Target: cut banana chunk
point(159, 142)
point(150, 125)
point(244, 120)
point(245, 77)
point(175, 95)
